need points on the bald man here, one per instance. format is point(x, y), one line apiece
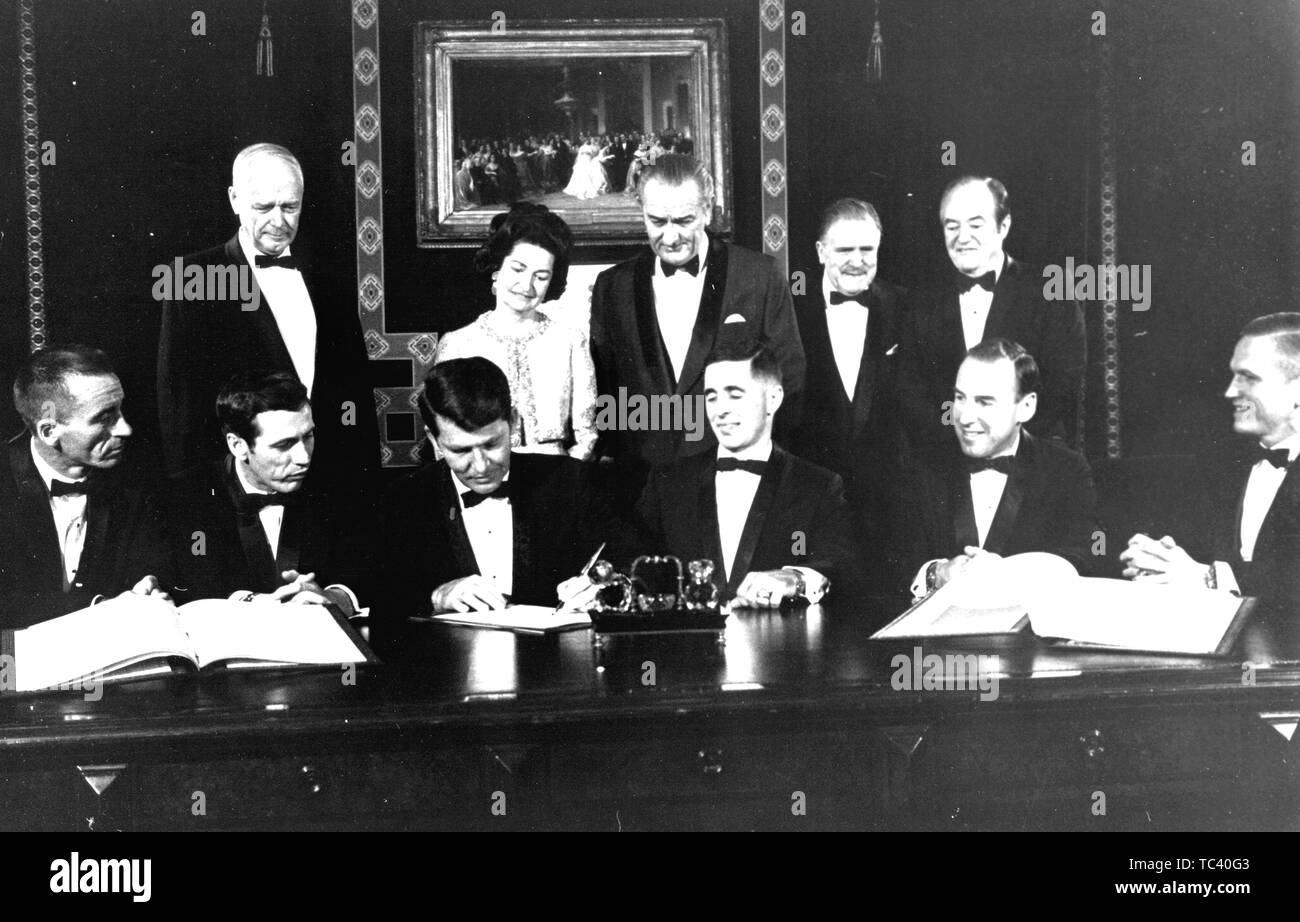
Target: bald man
point(251, 304)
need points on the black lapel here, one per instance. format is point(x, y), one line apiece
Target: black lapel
point(523, 513)
point(34, 510)
point(1004, 296)
point(654, 355)
point(262, 320)
point(252, 538)
point(100, 509)
point(1013, 496)
point(706, 501)
point(294, 532)
point(872, 350)
point(1287, 498)
point(708, 318)
point(965, 532)
point(778, 470)
point(448, 506)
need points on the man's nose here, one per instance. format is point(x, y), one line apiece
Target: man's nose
point(301, 454)
point(123, 429)
point(478, 462)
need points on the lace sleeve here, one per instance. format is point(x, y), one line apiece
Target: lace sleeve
point(583, 410)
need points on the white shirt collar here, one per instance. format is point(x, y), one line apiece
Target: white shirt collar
point(48, 474)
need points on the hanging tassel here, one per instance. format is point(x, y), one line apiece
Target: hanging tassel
point(265, 50)
point(876, 55)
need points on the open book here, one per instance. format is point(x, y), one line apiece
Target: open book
point(522, 619)
point(139, 636)
point(1046, 593)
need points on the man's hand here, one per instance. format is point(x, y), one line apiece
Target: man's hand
point(1161, 562)
point(469, 593)
point(766, 588)
point(577, 593)
point(971, 559)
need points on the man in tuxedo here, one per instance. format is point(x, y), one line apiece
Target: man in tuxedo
point(485, 525)
point(655, 317)
point(293, 324)
point(850, 332)
point(74, 526)
point(1003, 491)
point(253, 526)
point(1257, 541)
point(775, 526)
point(989, 295)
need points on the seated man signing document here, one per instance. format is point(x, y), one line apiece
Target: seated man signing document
point(486, 526)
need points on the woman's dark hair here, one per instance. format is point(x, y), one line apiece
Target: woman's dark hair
point(528, 223)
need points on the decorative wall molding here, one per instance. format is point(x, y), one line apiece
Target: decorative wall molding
point(1109, 223)
point(35, 260)
point(395, 405)
point(772, 118)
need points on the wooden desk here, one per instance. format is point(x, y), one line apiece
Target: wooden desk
point(795, 711)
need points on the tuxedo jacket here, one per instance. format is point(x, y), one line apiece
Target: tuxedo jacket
point(217, 551)
point(1273, 575)
point(203, 343)
point(1049, 504)
point(629, 351)
point(124, 542)
point(559, 518)
point(679, 515)
point(1052, 332)
point(857, 438)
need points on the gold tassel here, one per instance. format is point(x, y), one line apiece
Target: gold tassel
point(265, 50)
point(876, 56)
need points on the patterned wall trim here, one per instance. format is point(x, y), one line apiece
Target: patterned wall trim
point(771, 107)
point(1109, 247)
point(395, 406)
point(31, 176)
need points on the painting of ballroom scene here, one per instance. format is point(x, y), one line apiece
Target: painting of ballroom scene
point(573, 134)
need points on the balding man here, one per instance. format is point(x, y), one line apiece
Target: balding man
point(988, 294)
point(655, 317)
point(251, 304)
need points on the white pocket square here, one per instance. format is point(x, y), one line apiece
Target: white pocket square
point(892, 349)
point(735, 318)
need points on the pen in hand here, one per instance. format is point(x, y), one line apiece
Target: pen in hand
point(582, 574)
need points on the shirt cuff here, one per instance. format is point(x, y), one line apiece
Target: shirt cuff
point(814, 584)
point(919, 587)
point(1226, 579)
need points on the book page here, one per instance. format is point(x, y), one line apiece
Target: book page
point(96, 641)
point(528, 619)
point(277, 632)
point(1137, 616)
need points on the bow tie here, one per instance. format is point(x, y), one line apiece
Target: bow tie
point(692, 267)
point(286, 261)
point(986, 281)
point(861, 297)
point(1002, 465)
point(248, 505)
point(472, 499)
point(740, 464)
point(1278, 457)
point(69, 488)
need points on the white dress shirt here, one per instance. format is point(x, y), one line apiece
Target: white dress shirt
point(975, 304)
point(69, 518)
point(286, 293)
point(1261, 489)
point(847, 325)
point(734, 493)
point(271, 516)
point(491, 529)
point(677, 304)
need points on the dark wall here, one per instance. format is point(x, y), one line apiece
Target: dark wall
point(147, 116)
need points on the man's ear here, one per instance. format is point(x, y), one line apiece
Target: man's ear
point(1027, 407)
point(238, 447)
point(775, 397)
point(234, 199)
point(47, 430)
point(1004, 228)
point(821, 252)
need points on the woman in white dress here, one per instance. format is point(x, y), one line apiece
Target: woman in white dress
point(581, 183)
point(548, 364)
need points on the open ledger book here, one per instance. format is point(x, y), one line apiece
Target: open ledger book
point(522, 619)
point(1045, 593)
point(140, 636)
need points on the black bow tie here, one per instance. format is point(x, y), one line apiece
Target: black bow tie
point(67, 488)
point(986, 281)
point(1278, 457)
point(863, 298)
point(692, 267)
point(1002, 465)
point(472, 499)
point(248, 505)
point(286, 261)
point(740, 464)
